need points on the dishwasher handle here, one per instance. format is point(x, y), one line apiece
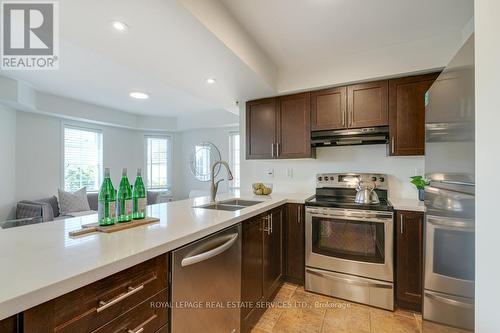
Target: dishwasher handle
point(210, 254)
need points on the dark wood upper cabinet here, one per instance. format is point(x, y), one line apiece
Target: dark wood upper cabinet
point(8, 325)
point(407, 114)
point(367, 104)
point(261, 128)
point(409, 259)
point(279, 127)
point(329, 109)
point(294, 126)
point(295, 243)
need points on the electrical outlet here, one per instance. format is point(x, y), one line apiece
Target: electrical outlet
point(419, 172)
point(289, 172)
point(270, 172)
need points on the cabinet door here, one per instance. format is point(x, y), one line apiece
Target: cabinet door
point(261, 129)
point(273, 252)
point(252, 289)
point(294, 126)
point(407, 114)
point(367, 104)
point(328, 109)
point(409, 259)
point(295, 243)
point(8, 325)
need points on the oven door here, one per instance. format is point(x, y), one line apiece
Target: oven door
point(449, 255)
point(357, 242)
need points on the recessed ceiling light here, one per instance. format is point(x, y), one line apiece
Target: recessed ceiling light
point(211, 80)
point(120, 26)
point(139, 95)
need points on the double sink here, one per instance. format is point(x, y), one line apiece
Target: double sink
point(230, 205)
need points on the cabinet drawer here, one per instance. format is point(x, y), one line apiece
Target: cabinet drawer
point(96, 304)
point(143, 318)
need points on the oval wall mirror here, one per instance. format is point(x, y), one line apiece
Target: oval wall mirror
point(202, 157)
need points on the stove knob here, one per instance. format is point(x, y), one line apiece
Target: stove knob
point(326, 178)
point(381, 179)
point(374, 179)
point(320, 179)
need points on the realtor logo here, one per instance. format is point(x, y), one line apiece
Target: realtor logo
point(30, 35)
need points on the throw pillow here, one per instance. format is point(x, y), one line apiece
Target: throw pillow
point(70, 202)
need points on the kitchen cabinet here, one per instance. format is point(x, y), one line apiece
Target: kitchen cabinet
point(262, 264)
point(407, 114)
point(409, 259)
point(279, 128)
point(252, 266)
point(273, 252)
point(120, 299)
point(367, 104)
point(9, 325)
point(261, 129)
point(295, 243)
point(294, 127)
point(329, 109)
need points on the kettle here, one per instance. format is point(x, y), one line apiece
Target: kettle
point(366, 194)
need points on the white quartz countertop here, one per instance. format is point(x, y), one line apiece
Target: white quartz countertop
point(40, 262)
point(407, 204)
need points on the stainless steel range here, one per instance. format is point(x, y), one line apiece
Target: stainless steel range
point(349, 245)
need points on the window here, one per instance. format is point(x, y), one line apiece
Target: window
point(234, 158)
point(82, 158)
point(157, 162)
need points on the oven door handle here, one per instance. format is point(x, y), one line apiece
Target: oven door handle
point(456, 224)
point(449, 301)
point(359, 218)
point(349, 281)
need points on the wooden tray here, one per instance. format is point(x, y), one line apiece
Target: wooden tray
point(95, 227)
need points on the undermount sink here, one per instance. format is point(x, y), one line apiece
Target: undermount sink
point(230, 205)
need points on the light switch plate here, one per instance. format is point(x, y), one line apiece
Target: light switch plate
point(270, 172)
point(289, 172)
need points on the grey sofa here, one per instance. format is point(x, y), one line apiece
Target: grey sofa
point(47, 209)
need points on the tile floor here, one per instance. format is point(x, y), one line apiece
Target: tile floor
point(295, 310)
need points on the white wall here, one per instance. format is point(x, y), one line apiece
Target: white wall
point(370, 158)
point(7, 162)
point(487, 26)
point(39, 153)
point(220, 138)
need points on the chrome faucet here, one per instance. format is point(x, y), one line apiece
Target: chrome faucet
point(215, 184)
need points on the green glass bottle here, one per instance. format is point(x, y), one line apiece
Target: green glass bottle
point(107, 201)
point(124, 210)
point(139, 197)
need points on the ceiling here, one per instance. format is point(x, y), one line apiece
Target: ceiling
point(298, 33)
point(166, 52)
point(171, 47)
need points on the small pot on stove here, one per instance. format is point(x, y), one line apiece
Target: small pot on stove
point(366, 194)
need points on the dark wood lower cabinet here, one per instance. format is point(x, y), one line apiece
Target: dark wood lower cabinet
point(409, 259)
point(294, 243)
point(9, 325)
point(262, 264)
point(101, 303)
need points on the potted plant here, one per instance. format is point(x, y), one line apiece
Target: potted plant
point(420, 183)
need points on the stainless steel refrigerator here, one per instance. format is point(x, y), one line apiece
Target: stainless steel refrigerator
point(449, 164)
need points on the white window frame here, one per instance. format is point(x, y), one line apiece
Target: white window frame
point(231, 162)
point(100, 175)
point(170, 155)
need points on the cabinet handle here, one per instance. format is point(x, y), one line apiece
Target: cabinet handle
point(277, 149)
point(267, 229)
point(299, 213)
point(131, 291)
point(138, 331)
point(271, 223)
point(392, 145)
point(272, 149)
point(343, 117)
point(350, 117)
point(401, 224)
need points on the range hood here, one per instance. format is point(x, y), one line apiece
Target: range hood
point(350, 137)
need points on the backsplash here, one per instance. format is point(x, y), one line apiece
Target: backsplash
point(371, 158)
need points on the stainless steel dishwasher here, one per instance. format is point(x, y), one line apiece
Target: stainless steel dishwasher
point(206, 284)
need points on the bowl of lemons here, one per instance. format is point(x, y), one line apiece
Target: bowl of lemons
point(262, 189)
